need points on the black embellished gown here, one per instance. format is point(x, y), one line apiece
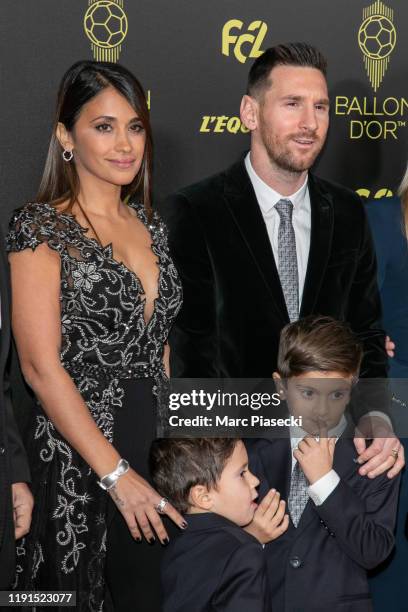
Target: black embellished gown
point(78, 540)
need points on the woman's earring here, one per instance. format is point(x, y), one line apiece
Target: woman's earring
point(67, 155)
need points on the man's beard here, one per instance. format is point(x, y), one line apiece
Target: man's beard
point(281, 156)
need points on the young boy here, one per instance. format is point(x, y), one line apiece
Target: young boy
point(214, 565)
point(341, 523)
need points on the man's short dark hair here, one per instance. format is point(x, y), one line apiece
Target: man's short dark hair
point(287, 54)
point(177, 465)
point(318, 343)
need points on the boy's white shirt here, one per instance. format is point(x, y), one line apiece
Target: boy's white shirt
point(322, 488)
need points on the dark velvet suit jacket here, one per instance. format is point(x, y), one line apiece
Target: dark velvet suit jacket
point(234, 308)
point(214, 566)
point(321, 565)
point(13, 462)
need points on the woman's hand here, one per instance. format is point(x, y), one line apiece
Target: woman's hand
point(137, 502)
point(270, 520)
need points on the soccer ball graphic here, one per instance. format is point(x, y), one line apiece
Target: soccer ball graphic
point(377, 37)
point(105, 24)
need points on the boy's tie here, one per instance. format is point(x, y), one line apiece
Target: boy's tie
point(298, 495)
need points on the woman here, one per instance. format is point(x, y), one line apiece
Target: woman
point(389, 225)
point(94, 296)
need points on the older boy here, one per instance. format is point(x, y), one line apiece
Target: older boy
point(341, 522)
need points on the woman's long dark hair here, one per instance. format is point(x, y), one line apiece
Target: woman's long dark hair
point(82, 82)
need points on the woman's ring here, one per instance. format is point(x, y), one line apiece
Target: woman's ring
point(161, 505)
point(394, 453)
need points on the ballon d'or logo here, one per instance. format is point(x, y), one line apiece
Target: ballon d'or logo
point(106, 26)
point(377, 37)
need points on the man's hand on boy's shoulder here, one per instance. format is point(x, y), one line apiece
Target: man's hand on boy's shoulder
point(315, 457)
point(270, 520)
point(385, 453)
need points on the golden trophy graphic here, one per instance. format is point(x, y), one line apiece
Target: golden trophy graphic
point(106, 26)
point(377, 37)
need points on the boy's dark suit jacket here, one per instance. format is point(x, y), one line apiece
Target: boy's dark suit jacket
point(234, 308)
point(13, 462)
point(321, 565)
point(214, 566)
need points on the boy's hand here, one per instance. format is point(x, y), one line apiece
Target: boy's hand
point(270, 520)
point(315, 457)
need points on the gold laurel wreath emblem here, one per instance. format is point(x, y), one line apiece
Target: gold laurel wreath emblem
point(377, 37)
point(106, 26)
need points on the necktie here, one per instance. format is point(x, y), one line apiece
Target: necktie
point(287, 264)
point(298, 496)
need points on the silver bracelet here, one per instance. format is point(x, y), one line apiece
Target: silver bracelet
point(108, 482)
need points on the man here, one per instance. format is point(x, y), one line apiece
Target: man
point(266, 242)
point(16, 501)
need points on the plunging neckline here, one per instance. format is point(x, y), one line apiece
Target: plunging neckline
point(107, 251)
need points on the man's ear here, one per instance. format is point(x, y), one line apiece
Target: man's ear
point(64, 137)
point(201, 498)
point(249, 112)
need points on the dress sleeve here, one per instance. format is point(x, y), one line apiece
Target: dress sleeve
point(159, 226)
point(31, 226)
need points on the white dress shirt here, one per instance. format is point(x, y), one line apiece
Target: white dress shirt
point(321, 489)
point(301, 219)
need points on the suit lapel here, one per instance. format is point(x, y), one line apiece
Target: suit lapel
point(271, 456)
point(241, 201)
point(345, 454)
point(308, 515)
point(320, 244)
